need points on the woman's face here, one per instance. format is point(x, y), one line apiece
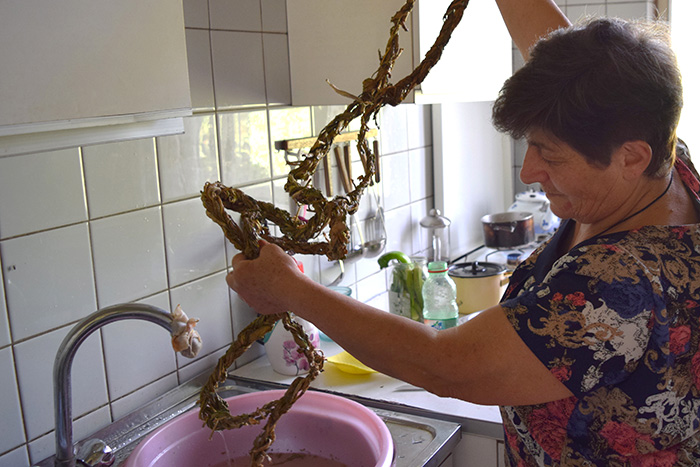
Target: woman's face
point(576, 189)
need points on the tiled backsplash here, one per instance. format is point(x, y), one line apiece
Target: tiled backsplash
point(89, 227)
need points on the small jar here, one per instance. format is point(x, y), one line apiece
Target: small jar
point(406, 288)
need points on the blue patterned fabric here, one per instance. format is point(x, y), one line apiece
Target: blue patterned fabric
point(617, 320)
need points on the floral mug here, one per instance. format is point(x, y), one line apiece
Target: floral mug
point(284, 354)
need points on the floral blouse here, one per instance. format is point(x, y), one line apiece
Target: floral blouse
point(617, 320)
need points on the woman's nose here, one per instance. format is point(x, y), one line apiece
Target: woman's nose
point(532, 170)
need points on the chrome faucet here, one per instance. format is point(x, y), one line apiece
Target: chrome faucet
point(65, 456)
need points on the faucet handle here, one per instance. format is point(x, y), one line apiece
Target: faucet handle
point(94, 453)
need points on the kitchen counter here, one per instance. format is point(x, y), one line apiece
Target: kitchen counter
point(381, 391)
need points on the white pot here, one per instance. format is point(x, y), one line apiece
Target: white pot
point(283, 352)
point(479, 285)
point(536, 202)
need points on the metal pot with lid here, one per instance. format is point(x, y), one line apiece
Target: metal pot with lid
point(480, 285)
point(508, 230)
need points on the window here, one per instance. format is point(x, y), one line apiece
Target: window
point(684, 16)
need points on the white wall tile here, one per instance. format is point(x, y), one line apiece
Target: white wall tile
point(274, 15)
point(48, 279)
point(4, 323)
point(419, 125)
point(16, 458)
point(580, 12)
point(419, 240)
point(44, 447)
point(194, 243)
point(323, 114)
point(420, 165)
point(129, 256)
point(241, 15)
point(207, 300)
point(399, 229)
point(120, 176)
point(380, 301)
point(393, 129)
point(244, 149)
point(395, 180)
point(128, 365)
point(204, 364)
point(287, 123)
point(632, 10)
point(371, 286)
point(187, 161)
point(143, 396)
point(200, 69)
point(40, 191)
point(276, 54)
point(238, 68)
point(34, 360)
point(196, 13)
point(242, 315)
point(11, 428)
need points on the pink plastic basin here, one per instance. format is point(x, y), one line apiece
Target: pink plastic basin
point(319, 424)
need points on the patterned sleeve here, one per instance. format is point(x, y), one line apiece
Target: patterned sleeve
point(589, 320)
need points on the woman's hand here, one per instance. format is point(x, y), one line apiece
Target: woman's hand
point(267, 282)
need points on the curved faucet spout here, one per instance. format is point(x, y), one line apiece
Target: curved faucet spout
point(65, 456)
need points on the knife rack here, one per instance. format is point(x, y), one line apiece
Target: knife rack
point(344, 163)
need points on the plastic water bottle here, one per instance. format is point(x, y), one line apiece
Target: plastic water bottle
point(439, 297)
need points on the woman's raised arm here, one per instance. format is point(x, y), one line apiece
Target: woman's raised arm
point(528, 20)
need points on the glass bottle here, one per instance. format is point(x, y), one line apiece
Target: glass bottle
point(439, 297)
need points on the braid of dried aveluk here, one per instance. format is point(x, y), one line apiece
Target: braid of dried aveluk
point(296, 233)
point(214, 410)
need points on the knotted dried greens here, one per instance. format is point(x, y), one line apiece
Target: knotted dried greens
point(300, 236)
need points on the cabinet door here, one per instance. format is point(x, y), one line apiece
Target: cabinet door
point(477, 59)
point(340, 41)
point(72, 63)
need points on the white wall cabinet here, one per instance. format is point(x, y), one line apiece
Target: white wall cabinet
point(339, 41)
point(69, 67)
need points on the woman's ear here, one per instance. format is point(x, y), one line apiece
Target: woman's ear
point(634, 156)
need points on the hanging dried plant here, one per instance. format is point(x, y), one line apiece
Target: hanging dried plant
point(300, 236)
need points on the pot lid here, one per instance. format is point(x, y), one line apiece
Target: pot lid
point(475, 269)
point(435, 220)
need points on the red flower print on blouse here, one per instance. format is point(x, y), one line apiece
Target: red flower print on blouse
point(695, 366)
point(680, 336)
point(548, 425)
point(623, 438)
point(655, 459)
point(562, 372)
point(576, 298)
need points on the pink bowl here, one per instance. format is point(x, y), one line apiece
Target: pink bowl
point(319, 424)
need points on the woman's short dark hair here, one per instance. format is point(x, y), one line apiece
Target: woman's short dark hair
point(595, 86)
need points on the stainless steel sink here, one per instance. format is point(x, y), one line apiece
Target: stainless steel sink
point(419, 441)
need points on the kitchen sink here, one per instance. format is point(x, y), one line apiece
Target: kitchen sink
point(418, 441)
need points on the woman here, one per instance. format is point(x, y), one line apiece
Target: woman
point(593, 352)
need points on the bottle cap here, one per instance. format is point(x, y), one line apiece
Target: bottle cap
point(437, 266)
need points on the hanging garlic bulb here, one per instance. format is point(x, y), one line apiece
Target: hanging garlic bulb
point(185, 339)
